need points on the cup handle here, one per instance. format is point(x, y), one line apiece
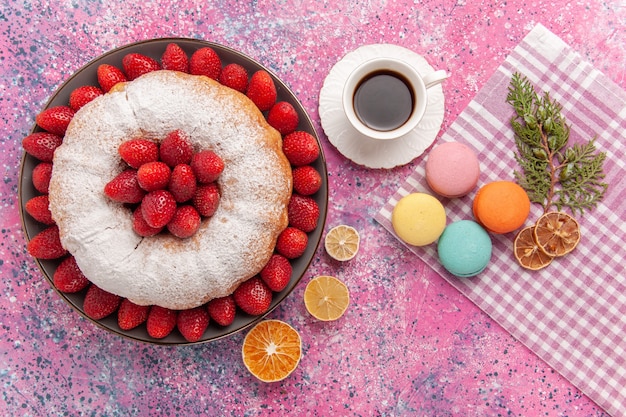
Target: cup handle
point(435, 78)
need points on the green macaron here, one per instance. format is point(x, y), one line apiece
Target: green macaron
point(464, 248)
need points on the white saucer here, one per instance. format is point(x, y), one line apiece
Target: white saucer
point(361, 149)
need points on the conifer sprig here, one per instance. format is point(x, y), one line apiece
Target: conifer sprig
point(552, 173)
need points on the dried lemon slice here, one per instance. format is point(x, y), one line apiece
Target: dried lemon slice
point(272, 350)
point(326, 298)
point(527, 252)
point(557, 233)
point(342, 242)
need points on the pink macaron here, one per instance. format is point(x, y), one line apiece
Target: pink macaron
point(452, 169)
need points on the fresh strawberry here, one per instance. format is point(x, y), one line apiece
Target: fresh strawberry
point(222, 310)
point(109, 76)
point(253, 296)
point(153, 176)
point(303, 213)
point(176, 149)
point(234, 76)
point(124, 188)
point(55, 119)
point(300, 148)
point(131, 315)
point(276, 273)
point(207, 199)
point(99, 303)
point(185, 223)
point(141, 227)
point(292, 242)
point(136, 152)
point(39, 209)
point(262, 90)
point(46, 244)
point(158, 208)
point(83, 95)
point(207, 166)
point(175, 59)
point(161, 321)
point(135, 65)
point(42, 145)
point(182, 183)
point(283, 117)
point(306, 180)
point(192, 323)
point(41, 176)
point(205, 61)
point(68, 277)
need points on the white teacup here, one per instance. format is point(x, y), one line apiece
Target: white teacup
point(385, 98)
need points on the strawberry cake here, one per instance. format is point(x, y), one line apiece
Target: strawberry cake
point(229, 248)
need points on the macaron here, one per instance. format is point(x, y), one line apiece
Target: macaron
point(464, 248)
point(452, 169)
point(418, 219)
point(501, 206)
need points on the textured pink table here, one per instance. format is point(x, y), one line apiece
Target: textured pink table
point(409, 345)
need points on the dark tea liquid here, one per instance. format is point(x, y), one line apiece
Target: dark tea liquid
point(383, 100)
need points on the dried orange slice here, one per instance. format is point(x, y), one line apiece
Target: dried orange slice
point(326, 298)
point(272, 350)
point(527, 251)
point(557, 233)
point(342, 242)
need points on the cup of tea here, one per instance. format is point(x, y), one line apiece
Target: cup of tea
point(385, 98)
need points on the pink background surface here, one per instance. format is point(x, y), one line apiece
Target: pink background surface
point(410, 344)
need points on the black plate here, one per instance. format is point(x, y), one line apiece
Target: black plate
point(154, 48)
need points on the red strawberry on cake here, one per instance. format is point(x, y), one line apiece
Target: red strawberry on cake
point(183, 184)
point(125, 188)
point(135, 65)
point(206, 199)
point(153, 176)
point(205, 61)
point(39, 209)
point(253, 296)
point(192, 323)
point(109, 76)
point(99, 303)
point(185, 222)
point(83, 95)
point(207, 166)
point(277, 273)
point(234, 76)
point(55, 119)
point(158, 207)
point(68, 277)
point(42, 173)
point(136, 152)
point(306, 180)
point(222, 310)
point(303, 213)
point(131, 315)
point(283, 117)
point(175, 59)
point(261, 90)
point(161, 321)
point(292, 243)
point(176, 149)
point(46, 244)
point(42, 145)
point(301, 148)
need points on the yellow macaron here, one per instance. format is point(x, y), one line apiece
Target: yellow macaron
point(418, 219)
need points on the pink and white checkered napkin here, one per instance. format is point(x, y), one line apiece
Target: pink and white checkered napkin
point(572, 314)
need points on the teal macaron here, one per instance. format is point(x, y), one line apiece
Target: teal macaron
point(464, 248)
